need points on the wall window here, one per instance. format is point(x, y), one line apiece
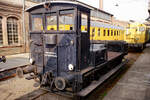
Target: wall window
point(12, 30)
point(1, 32)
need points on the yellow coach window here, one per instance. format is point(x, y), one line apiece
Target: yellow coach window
point(111, 32)
point(37, 23)
point(99, 32)
point(51, 22)
point(115, 33)
point(141, 29)
point(104, 32)
point(108, 32)
point(93, 32)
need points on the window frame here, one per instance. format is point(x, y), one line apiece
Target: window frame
point(108, 32)
point(31, 27)
point(112, 32)
point(65, 12)
point(86, 26)
point(1, 31)
point(104, 32)
point(93, 32)
point(51, 14)
point(99, 32)
point(13, 30)
point(115, 33)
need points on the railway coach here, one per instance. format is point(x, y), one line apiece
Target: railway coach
point(137, 35)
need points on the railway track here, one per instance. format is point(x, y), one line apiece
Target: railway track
point(98, 94)
point(9, 73)
point(41, 94)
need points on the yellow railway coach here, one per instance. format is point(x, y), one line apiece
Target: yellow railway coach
point(98, 30)
point(137, 35)
point(106, 32)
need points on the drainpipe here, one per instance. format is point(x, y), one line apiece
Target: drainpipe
point(23, 22)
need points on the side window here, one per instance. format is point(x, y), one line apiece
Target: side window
point(84, 22)
point(37, 23)
point(108, 32)
point(51, 22)
point(115, 33)
point(120, 32)
point(99, 31)
point(111, 32)
point(66, 21)
point(104, 32)
point(141, 29)
point(93, 32)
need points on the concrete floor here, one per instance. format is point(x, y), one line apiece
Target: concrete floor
point(15, 61)
point(135, 85)
point(15, 88)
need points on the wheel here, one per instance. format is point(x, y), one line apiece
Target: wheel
point(60, 83)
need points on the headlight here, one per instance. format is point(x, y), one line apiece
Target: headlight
point(70, 67)
point(31, 60)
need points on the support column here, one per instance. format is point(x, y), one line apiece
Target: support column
point(4, 29)
point(20, 34)
point(101, 4)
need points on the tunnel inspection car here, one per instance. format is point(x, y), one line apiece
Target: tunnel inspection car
point(67, 61)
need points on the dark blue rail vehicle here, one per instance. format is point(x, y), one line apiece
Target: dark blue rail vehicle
point(65, 60)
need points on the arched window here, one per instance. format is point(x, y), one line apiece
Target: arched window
point(1, 32)
point(12, 30)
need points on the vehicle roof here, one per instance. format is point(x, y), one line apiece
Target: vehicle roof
point(137, 24)
point(60, 2)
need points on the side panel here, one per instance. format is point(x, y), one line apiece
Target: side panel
point(50, 52)
point(36, 49)
point(59, 51)
point(66, 53)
